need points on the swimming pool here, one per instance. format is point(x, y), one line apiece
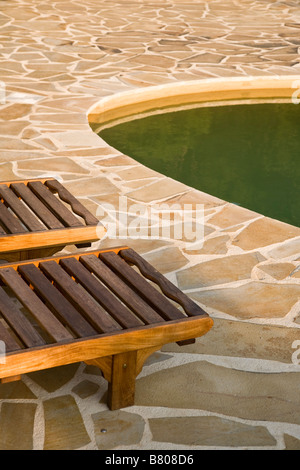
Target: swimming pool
point(247, 154)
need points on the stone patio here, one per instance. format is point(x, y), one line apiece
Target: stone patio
point(237, 387)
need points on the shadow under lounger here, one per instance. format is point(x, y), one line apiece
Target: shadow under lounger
point(107, 308)
point(39, 217)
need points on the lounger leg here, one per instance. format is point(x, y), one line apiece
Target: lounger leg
point(122, 386)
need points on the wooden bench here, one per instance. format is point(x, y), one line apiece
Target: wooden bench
point(39, 217)
point(107, 308)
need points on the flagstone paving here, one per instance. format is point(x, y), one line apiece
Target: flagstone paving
point(237, 387)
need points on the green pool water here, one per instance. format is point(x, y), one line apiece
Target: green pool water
point(247, 154)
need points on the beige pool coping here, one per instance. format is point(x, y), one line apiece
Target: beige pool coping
point(238, 387)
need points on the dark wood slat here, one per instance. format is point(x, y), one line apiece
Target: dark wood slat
point(31, 301)
point(54, 205)
point(142, 286)
point(75, 293)
point(9, 341)
point(64, 310)
point(2, 231)
point(77, 207)
point(28, 219)
point(9, 221)
point(122, 290)
point(105, 298)
point(169, 289)
point(36, 206)
point(18, 322)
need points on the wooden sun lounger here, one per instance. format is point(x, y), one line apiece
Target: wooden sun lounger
point(39, 217)
point(107, 308)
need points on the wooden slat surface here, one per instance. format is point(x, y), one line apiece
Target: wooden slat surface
point(24, 214)
point(127, 295)
point(95, 314)
point(9, 221)
point(88, 295)
point(108, 301)
point(169, 289)
point(18, 322)
point(141, 285)
point(77, 207)
point(9, 341)
point(54, 205)
point(65, 311)
point(36, 206)
point(32, 302)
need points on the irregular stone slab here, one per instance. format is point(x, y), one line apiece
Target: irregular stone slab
point(209, 431)
point(167, 259)
point(196, 197)
point(6, 172)
point(159, 190)
point(15, 111)
point(279, 270)
point(85, 389)
point(240, 339)
point(291, 442)
point(252, 300)
point(216, 245)
point(290, 248)
point(219, 271)
point(16, 430)
point(15, 390)
point(91, 186)
point(205, 386)
point(232, 215)
point(53, 164)
point(53, 379)
point(64, 427)
point(139, 172)
point(118, 428)
point(264, 232)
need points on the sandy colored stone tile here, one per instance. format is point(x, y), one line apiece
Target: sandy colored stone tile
point(15, 144)
point(289, 248)
point(12, 127)
point(53, 379)
point(155, 60)
point(65, 165)
point(17, 421)
point(231, 215)
point(263, 232)
point(192, 196)
point(76, 138)
point(64, 426)
point(15, 390)
point(216, 246)
point(291, 442)
point(85, 388)
point(91, 186)
point(118, 428)
point(237, 393)
point(6, 172)
point(160, 190)
point(241, 339)
point(209, 431)
point(167, 259)
point(219, 271)
point(15, 111)
point(139, 172)
point(278, 271)
point(120, 160)
point(252, 300)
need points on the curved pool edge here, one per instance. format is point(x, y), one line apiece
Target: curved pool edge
point(130, 104)
point(141, 100)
